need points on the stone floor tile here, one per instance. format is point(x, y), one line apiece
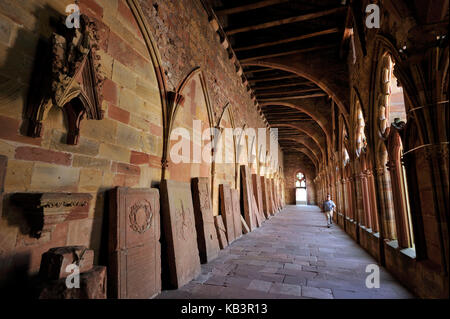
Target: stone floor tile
point(291, 251)
point(260, 285)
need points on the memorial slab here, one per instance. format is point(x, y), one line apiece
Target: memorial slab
point(221, 231)
point(236, 213)
point(208, 244)
point(179, 232)
point(226, 209)
point(247, 193)
point(134, 270)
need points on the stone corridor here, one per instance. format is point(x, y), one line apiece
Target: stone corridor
point(293, 255)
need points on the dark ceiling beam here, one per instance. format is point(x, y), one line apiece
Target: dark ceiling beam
point(275, 55)
point(287, 92)
point(292, 76)
point(260, 88)
point(356, 7)
point(248, 7)
point(288, 40)
point(348, 31)
point(293, 97)
point(258, 71)
point(304, 17)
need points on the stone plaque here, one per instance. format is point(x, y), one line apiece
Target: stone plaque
point(256, 212)
point(247, 193)
point(226, 208)
point(3, 164)
point(257, 190)
point(134, 270)
point(275, 194)
point(236, 213)
point(179, 232)
point(208, 245)
point(269, 197)
point(221, 231)
point(265, 197)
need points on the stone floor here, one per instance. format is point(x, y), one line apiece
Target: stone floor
point(293, 255)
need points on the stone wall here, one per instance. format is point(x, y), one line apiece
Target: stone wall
point(292, 165)
point(125, 148)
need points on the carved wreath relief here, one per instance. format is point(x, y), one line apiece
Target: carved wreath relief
point(141, 216)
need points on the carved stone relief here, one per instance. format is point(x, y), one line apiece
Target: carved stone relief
point(179, 232)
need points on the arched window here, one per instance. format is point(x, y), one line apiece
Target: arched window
point(361, 140)
point(391, 104)
point(392, 115)
point(300, 189)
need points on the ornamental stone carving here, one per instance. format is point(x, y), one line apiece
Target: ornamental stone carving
point(72, 82)
point(44, 211)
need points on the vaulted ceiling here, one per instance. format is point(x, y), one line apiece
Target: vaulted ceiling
point(286, 49)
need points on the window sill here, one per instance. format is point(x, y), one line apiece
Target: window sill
point(409, 252)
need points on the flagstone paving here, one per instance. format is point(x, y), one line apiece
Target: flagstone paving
point(293, 255)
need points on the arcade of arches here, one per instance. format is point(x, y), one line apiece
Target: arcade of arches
point(361, 114)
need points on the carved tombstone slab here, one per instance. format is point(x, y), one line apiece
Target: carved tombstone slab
point(275, 194)
point(256, 212)
point(269, 197)
point(258, 195)
point(221, 231)
point(179, 232)
point(3, 163)
point(208, 245)
point(134, 249)
point(247, 193)
point(226, 208)
point(236, 213)
point(265, 197)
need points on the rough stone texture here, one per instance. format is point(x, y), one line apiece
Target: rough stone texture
point(48, 164)
point(92, 286)
point(134, 270)
point(221, 231)
point(55, 261)
point(226, 206)
point(293, 255)
point(179, 232)
point(208, 244)
point(236, 206)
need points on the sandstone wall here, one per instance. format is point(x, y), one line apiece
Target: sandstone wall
point(124, 148)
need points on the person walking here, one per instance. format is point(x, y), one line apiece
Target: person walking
point(328, 207)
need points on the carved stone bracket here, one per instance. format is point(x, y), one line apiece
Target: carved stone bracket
point(73, 83)
point(44, 211)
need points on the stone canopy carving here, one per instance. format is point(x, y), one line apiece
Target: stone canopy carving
point(44, 211)
point(74, 82)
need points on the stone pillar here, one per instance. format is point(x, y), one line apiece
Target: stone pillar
point(400, 205)
point(385, 197)
point(373, 203)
